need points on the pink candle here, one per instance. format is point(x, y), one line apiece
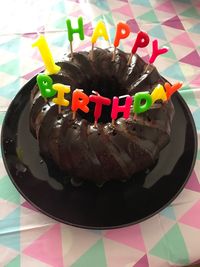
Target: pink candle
point(157, 51)
point(125, 109)
point(142, 40)
point(99, 102)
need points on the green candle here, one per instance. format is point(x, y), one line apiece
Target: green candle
point(78, 30)
point(45, 84)
point(71, 31)
point(140, 97)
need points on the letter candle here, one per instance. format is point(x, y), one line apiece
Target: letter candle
point(71, 31)
point(45, 85)
point(142, 40)
point(79, 101)
point(138, 98)
point(125, 108)
point(51, 67)
point(100, 30)
point(122, 32)
point(156, 52)
point(158, 93)
point(171, 89)
point(60, 100)
point(99, 102)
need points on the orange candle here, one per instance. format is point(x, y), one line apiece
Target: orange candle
point(171, 89)
point(122, 32)
point(79, 101)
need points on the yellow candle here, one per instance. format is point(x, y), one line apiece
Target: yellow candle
point(62, 90)
point(158, 93)
point(51, 67)
point(100, 30)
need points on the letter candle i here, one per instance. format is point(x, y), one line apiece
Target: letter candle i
point(60, 99)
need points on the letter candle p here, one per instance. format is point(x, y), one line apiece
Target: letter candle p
point(142, 40)
point(122, 32)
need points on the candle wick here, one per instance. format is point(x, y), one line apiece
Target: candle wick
point(77, 89)
point(122, 96)
point(95, 92)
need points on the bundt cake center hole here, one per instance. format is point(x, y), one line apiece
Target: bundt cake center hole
point(107, 87)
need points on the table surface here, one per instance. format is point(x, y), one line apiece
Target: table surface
point(170, 238)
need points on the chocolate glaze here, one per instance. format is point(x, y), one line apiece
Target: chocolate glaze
point(103, 153)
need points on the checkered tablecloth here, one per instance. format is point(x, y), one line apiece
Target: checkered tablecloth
point(170, 238)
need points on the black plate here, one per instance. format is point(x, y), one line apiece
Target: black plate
point(116, 204)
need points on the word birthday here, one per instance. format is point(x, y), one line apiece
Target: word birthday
point(138, 103)
point(122, 31)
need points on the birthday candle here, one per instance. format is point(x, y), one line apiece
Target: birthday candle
point(99, 102)
point(71, 31)
point(45, 84)
point(79, 101)
point(142, 40)
point(171, 89)
point(60, 99)
point(51, 67)
point(125, 109)
point(158, 94)
point(99, 31)
point(138, 99)
point(122, 32)
point(157, 51)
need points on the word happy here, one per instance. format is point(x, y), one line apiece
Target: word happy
point(122, 31)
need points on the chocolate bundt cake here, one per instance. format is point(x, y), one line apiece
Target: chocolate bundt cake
point(102, 153)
